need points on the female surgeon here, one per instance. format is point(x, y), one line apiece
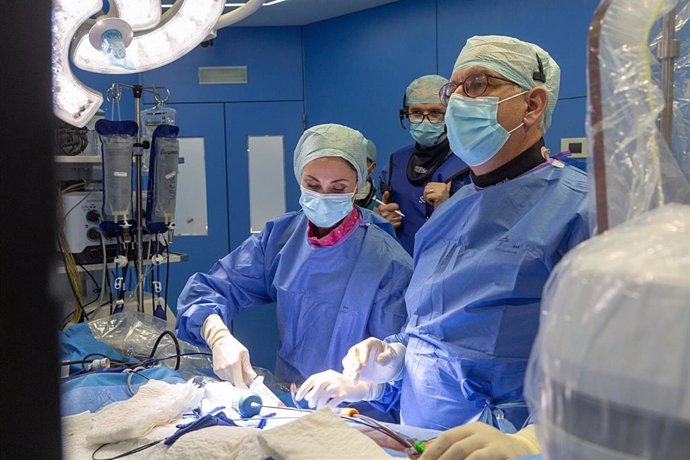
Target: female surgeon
point(334, 270)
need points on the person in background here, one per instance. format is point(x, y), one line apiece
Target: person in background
point(335, 271)
point(365, 196)
point(481, 263)
point(421, 176)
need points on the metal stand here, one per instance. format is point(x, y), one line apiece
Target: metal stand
point(667, 52)
point(137, 91)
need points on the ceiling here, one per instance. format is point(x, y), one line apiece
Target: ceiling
point(301, 12)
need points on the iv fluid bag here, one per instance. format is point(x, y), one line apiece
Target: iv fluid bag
point(162, 184)
point(154, 117)
point(117, 141)
point(151, 119)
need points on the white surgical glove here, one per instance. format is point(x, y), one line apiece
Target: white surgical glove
point(330, 388)
point(375, 361)
point(230, 357)
point(481, 441)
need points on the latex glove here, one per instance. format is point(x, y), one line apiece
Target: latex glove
point(479, 441)
point(436, 193)
point(230, 357)
point(330, 388)
point(387, 210)
point(374, 361)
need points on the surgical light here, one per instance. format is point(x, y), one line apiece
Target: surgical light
point(139, 14)
point(134, 37)
point(73, 102)
point(182, 30)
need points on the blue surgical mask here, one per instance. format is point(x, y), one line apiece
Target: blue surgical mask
point(474, 133)
point(325, 210)
point(427, 134)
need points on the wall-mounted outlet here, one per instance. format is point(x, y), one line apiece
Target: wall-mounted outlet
point(576, 145)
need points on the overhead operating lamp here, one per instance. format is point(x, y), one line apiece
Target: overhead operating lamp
point(139, 14)
point(181, 29)
point(73, 102)
point(133, 37)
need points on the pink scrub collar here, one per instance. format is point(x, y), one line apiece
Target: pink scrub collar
point(339, 233)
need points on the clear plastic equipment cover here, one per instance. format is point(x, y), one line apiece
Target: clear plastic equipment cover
point(641, 173)
point(134, 334)
point(609, 374)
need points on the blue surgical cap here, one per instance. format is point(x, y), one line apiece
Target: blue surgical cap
point(332, 140)
point(517, 61)
point(424, 90)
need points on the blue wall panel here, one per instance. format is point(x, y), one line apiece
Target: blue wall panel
point(258, 119)
point(558, 27)
point(273, 56)
point(568, 121)
point(358, 66)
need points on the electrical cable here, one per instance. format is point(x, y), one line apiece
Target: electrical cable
point(72, 275)
point(110, 292)
point(157, 271)
point(153, 294)
point(131, 372)
point(105, 266)
point(177, 346)
point(167, 272)
point(90, 276)
point(86, 357)
point(78, 202)
point(150, 362)
point(67, 256)
point(127, 277)
point(125, 454)
point(373, 423)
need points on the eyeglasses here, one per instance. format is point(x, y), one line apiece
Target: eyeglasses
point(474, 85)
point(418, 116)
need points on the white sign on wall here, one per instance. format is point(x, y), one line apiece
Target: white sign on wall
point(266, 179)
point(191, 217)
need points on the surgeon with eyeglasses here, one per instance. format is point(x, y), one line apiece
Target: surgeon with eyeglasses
point(480, 263)
point(421, 176)
point(335, 271)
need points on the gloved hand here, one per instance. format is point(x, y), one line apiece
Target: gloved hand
point(230, 357)
point(374, 361)
point(330, 388)
point(481, 441)
point(387, 211)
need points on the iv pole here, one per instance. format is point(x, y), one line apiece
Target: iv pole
point(137, 91)
point(667, 52)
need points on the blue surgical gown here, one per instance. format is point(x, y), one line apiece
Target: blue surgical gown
point(328, 298)
point(480, 264)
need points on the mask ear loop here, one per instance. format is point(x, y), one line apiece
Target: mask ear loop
point(514, 96)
